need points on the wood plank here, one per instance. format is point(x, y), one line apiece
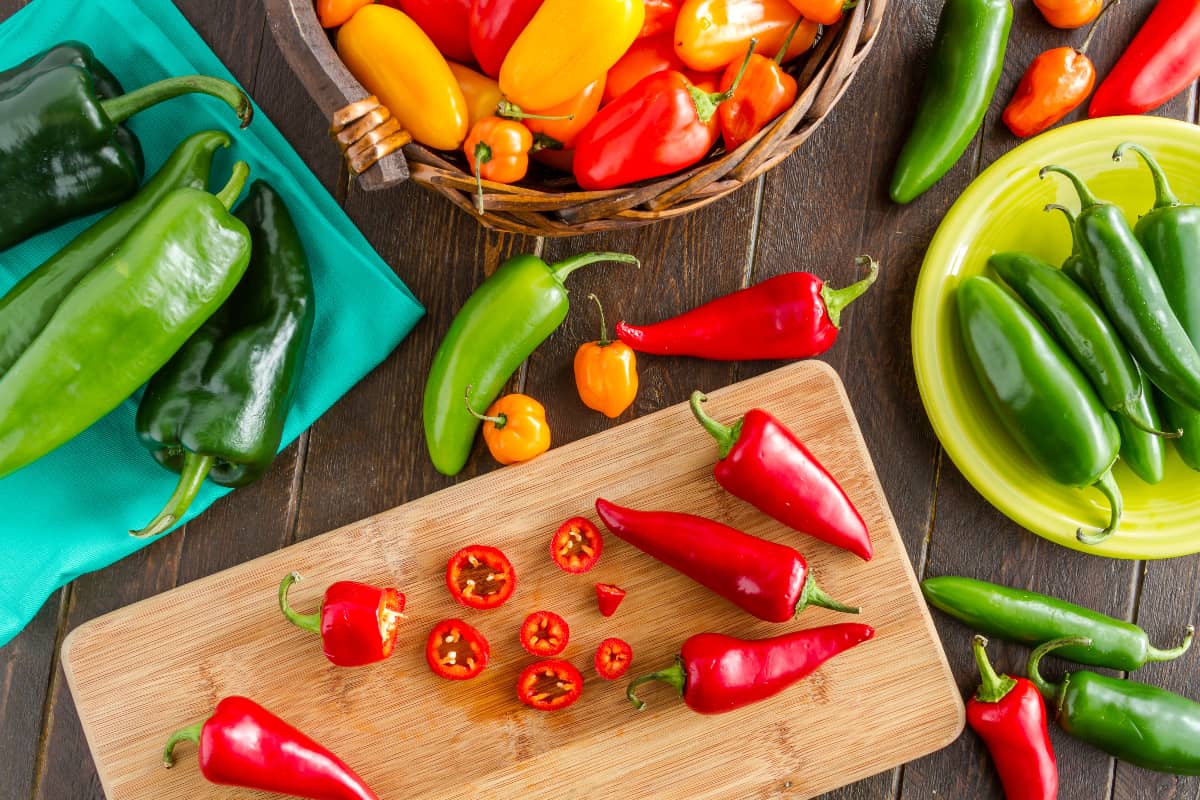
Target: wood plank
point(25, 669)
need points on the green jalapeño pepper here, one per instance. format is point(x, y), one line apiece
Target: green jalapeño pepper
point(1041, 397)
point(967, 60)
point(28, 306)
point(217, 408)
point(499, 326)
point(62, 153)
point(123, 321)
point(1147, 726)
point(1075, 267)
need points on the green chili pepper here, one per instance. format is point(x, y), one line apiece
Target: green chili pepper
point(506, 318)
point(967, 60)
point(1075, 267)
point(1029, 618)
point(217, 408)
point(1132, 296)
point(28, 306)
point(1147, 726)
point(62, 154)
point(1041, 397)
point(1170, 234)
point(123, 321)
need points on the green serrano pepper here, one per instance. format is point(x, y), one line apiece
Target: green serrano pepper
point(499, 326)
point(1041, 397)
point(967, 60)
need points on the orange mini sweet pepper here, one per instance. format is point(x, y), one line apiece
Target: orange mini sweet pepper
point(825, 12)
point(556, 127)
point(606, 372)
point(514, 428)
point(481, 93)
point(1069, 13)
point(711, 34)
point(332, 13)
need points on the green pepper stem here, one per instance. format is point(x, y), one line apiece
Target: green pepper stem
point(1108, 487)
point(500, 420)
point(674, 675)
point(782, 54)
point(1131, 414)
point(191, 478)
point(836, 300)
point(814, 595)
point(603, 341)
point(1049, 690)
point(120, 108)
point(706, 103)
point(1087, 40)
point(237, 181)
point(726, 435)
point(992, 687)
point(561, 270)
point(1175, 652)
point(188, 734)
point(1163, 196)
point(510, 110)
point(1086, 198)
point(483, 154)
point(309, 622)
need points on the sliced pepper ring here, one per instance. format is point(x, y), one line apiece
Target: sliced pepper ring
point(544, 633)
point(576, 545)
point(549, 685)
point(480, 577)
point(614, 657)
point(456, 651)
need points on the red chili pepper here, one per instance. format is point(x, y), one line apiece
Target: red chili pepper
point(644, 57)
point(446, 22)
point(456, 651)
point(715, 673)
point(769, 580)
point(1162, 60)
point(608, 597)
point(544, 633)
point(549, 685)
point(493, 27)
point(763, 463)
point(766, 91)
point(790, 316)
point(614, 657)
point(480, 577)
point(357, 623)
point(1010, 717)
point(243, 744)
point(660, 17)
point(576, 545)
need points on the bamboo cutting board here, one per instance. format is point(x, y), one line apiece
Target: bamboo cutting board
point(143, 671)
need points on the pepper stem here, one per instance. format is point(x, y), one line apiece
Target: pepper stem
point(1174, 652)
point(674, 675)
point(511, 110)
point(483, 154)
point(992, 687)
point(562, 269)
point(1087, 40)
point(726, 435)
point(603, 341)
point(191, 478)
point(500, 420)
point(782, 54)
point(120, 108)
point(836, 300)
point(188, 734)
point(1163, 196)
point(1108, 487)
point(1049, 690)
point(1142, 425)
point(237, 181)
point(706, 102)
point(1086, 198)
point(309, 622)
point(814, 595)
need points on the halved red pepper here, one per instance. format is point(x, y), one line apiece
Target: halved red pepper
point(446, 22)
point(614, 657)
point(480, 577)
point(493, 27)
point(544, 633)
point(549, 685)
point(576, 545)
point(357, 623)
point(608, 597)
point(456, 651)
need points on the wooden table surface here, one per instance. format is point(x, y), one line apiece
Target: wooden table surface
point(826, 204)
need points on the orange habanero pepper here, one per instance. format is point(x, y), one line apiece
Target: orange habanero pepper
point(514, 428)
point(766, 91)
point(712, 34)
point(498, 150)
point(557, 127)
point(1069, 13)
point(606, 372)
point(332, 13)
point(825, 12)
point(481, 93)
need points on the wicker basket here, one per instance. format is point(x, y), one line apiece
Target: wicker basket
point(555, 206)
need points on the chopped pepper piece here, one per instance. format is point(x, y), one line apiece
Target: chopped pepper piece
point(608, 597)
point(358, 623)
point(545, 633)
point(456, 651)
point(480, 577)
point(550, 685)
point(576, 545)
point(614, 657)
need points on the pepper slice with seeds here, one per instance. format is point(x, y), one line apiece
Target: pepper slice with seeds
point(544, 633)
point(576, 545)
point(480, 577)
point(456, 651)
point(549, 685)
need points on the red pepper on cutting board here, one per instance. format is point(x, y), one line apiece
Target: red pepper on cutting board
point(549, 685)
point(493, 27)
point(544, 633)
point(763, 463)
point(243, 744)
point(608, 597)
point(456, 651)
point(769, 580)
point(1162, 59)
point(480, 577)
point(794, 315)
point(446, 22)
point(358, 623)
point(613, 658)
point(715, 673)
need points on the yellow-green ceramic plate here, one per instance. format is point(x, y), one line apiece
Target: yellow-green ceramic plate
point(1002, 210)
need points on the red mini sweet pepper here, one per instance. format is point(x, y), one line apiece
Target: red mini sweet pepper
point(714, 673)
point(790, 316)
point(1010, 717)
point(493, 27)
point(1162, 60)
point(358, 623)
point(763, 463)
point(446, 22)
point(769, 580)
point(243, 744)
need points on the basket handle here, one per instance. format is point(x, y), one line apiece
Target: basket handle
point(365, 132)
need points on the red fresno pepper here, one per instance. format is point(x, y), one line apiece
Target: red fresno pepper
point(544, 633)
point(494, 26)
point(769, 580)
point(614, 657)
point(763, 463)
point(576, 545)
point(1008, 714)
point(446, 22)
point(660, 17)
point(608, 597)
point(549, 685)
point(357, 623)
point(456, 651)
point(1162, 60)
point(790, 316)
point(715, 673)
point(243, 744)
point(480, 577)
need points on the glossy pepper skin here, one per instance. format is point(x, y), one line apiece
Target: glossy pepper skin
point(1030, 618)
point(358, 623)
point(967, 60)
point(243, 744)
point(29, 305)
point(481, 93)
point(117, 328)
point(515, 429)
point(497, 150)
point(606, 372)
point(446, 22)
point(1008, 714)
point(608, 598)
point(769, 580)
point(1054, 85)
point(714, 673)
point(557, 127)
point(1162, 60)
point(501, 323)
point(660, 17)
point(1147, 726)
point(1069, 13)
point(712, 34)
point(791, 316)
point(825, 12)
point(644, 57)
point(493, 27)
point(765, 92)
point(332, 13)
point(763, 463)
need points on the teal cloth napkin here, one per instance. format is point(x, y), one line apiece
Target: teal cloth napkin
point(70, 512)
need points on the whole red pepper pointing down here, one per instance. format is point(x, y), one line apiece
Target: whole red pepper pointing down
point(357, 623)
point(243, 744)
point(763, 463)
point(1162, 59)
